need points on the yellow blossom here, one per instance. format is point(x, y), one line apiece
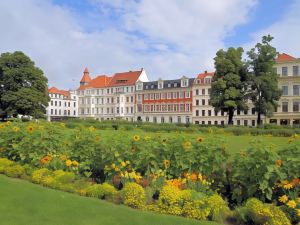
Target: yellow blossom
point(298, 212)
point(187, 145)
point(62, 125)
point(292, 204)
point(113, 165)
point(283, 198)
point(278, 162)
point(167, 163)
point(136, 138)
point(15, 129)
point(8, 122)
point(2, 126)
point(92, 129)
point(288, 186)
point(63, 157)
point(200, 139)
point(123, 164)
point(68, 162)
point(127, 162)
point(75, 163)
point(147, 138)
point(30, 129)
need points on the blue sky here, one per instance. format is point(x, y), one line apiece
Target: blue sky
point(168, 38)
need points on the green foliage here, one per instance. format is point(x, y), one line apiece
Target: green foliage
point(5, 163)
point(229, 82)
point(39, 174)
point(14, 171)
point(255, 212)
point(264, 81)
point(260, 160)
point(102, 191)
point(133, 195)
point(23, 86)
point(63, 177)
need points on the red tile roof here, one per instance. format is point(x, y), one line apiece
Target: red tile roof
point(54, 90)
point(86, 77)
point(100, 81)
point(284, 57)
point(205, 74)
point(125, 79)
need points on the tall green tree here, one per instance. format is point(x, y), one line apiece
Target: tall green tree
point(265, 92)
point(23, 86)
point(229, 82)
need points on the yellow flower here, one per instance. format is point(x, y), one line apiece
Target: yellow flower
point(63, 157)
point(136, 138)
point(113, 165)
point(292, 204)
point(68, 162)
point(288, 186)
point(187, 145)
point(167, 163)
point(278, 162)
point(283, 198)
point(2, 126)
point(123, 164)
point(75, 163)
point(30, 129)
point(290, 141)
point(8, 122)
point(62, 125)
point(15, 129)
point(200, 139)
point(127, 162)
point(147, 138)
point(92, 129)
point(117, 169)
point(298, 200)
point(298, 212)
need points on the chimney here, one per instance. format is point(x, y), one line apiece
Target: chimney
point(205, 71)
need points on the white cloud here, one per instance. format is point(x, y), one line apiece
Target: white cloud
point(286, 32)
point(178, 37)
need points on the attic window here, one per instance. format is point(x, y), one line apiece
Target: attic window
point(121, 81)
point(146, 86)
point(175, 84)
point(169, 85)
point(152, 86)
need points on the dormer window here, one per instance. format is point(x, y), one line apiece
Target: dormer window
point(160, 85)
point(207, 80)
point(146, 86)
point(184, 82)
point(139, 86)
point(175, 84)
point(152, 86)
point(169, 85)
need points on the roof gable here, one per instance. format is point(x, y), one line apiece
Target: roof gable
point(54, 90)
point(284, 57)
point(125, 79)
point(100, 81)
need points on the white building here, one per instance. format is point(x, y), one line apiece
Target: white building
point(63, 104)
point(107, 97)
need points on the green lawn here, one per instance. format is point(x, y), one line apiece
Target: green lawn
point(24, 203)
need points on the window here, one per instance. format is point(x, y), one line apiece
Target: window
point(170, 108)
point(253, 123)
point(285, 106)
point(238, 122)
point(216, 123)
point(197, 112)
point(284, 71)
point(179, 119)
point(203, 101)
point(197, 91)
point(181, 94)
point(51, 111)
point(163, 95)
point(174, 95)
point(203, 112)
point(157, 96)
point(181, 109)
point(296, 106)
point(285, 90)
point(203, 91)
point(209, 112)
point(169, 95)
point(170, 119)
point(295, 90)
point(295, 70)
point(187, 94)
point(175, 84)
point(275, 70)
point(246, 112)
point(147, 119)
point(139, 86)
point(253, 111)
point(51, 102)
point(160, 85)
point(216, 113)
point(184, 83)
point(162, 119)
point(209, 123)
point(146, 96)
point(222, 113)
point(154, 119)
point(245, 122)
point(197, 102)
point(187, 107)
point(187, 119)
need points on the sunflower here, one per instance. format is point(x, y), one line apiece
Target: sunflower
point(164, 140)
point(278, 162)
point(92, 129)
point(187, 145)
point(2, 126)
point(75, 163)
point(68, 163)
point(63, 157)
point(136, 138)
point(15, 129)
point(291, 204)
point(30, 129)
point(283, 198)
point(288, 186)
point(200, 139)
point(167, 163)
point(46, 159)
point(123, 164)
point(8, 122)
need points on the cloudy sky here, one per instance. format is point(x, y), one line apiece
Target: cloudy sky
point(169, 38)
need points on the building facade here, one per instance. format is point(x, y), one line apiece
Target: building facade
point(63, 104)
point(107, 98)
point(164, 101)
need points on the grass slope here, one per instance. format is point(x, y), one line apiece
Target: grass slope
point(24, 203)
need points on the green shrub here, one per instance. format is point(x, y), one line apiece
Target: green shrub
point(14, 171)
point(101, 191)
point(218, 208)
point(63, 177)
point(39, 174)
point(5, 163)
point(256, 212)
point(133, 195)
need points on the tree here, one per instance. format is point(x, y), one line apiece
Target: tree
point(229, 82)
point(23, 87)
point(264, 80)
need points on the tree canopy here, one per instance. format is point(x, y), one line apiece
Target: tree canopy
point(23, 86)
point(229, 82)
point(264, 80)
